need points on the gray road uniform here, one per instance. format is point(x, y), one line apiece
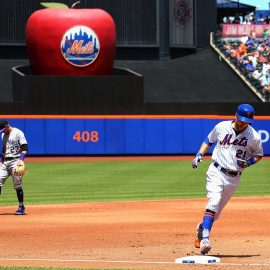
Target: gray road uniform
point(11, 144)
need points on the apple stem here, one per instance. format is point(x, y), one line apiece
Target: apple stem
point(76, 3)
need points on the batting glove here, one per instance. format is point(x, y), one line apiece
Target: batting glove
point(242, 163)
point(196, 160)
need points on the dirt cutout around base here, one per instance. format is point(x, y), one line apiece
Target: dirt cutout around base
point(135, 235)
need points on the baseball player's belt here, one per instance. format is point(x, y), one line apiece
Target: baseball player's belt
point(10, 158)
point(226, 171)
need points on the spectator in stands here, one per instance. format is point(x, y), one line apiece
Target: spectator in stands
point(253, 57)
point(249, 66)
point(241, 49)
point(262, 59)
point(266, 92)
point(252, 19)
point(263, 54)
point(265, 34)
point(266, 68)
point(267, 50)
point(245, 65)
point(267, 42)
point(236, 19)
point(246, 21)
point(238, 55)
point(257, 74)
point(253, 33)
point(265, 80)
point(260, 48)
point(261, 19)
point(251, 44)
point(244, 38)
point(227, 48)
point(228, 20)
point(253, 60)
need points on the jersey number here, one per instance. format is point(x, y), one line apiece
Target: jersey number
point(241, 154)
point(14, 149)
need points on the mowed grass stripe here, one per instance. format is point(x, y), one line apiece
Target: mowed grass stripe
point(66, 182)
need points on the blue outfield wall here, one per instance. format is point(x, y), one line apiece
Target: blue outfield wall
point(110, 135)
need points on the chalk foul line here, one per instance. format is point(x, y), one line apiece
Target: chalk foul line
point(122, 261)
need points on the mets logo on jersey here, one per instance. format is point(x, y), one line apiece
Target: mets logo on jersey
point(182, 12)
point(80, 46)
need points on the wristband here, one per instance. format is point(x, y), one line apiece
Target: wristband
point(251, 161)
point(22, 156)
point(199, 155)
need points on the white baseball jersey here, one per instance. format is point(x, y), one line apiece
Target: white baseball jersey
point(12, 143)
point(230, 146)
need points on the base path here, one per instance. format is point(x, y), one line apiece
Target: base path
point(134, 235)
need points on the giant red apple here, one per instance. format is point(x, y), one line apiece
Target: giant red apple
point(71, 42)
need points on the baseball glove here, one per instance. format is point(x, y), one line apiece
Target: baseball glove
point(20, 169)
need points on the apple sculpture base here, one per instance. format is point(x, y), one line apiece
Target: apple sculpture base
point(120, 93)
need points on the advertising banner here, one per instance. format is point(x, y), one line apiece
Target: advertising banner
point(239, 30)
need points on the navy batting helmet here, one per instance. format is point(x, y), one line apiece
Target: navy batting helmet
point(245, 113)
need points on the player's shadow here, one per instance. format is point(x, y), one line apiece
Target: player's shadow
point(235, 256)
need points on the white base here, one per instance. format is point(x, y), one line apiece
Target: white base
point(198, 260)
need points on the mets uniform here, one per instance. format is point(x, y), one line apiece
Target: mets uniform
point(220, 186)
point(238, 146)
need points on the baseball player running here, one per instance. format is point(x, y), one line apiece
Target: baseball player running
point(14, 151)
point(238, 146)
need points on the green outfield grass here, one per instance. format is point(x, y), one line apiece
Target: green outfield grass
point(66, 182)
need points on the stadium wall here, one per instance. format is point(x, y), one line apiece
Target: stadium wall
point(122, 135)
point(144, 28)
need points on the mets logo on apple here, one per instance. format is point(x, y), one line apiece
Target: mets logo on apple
point(80, 46)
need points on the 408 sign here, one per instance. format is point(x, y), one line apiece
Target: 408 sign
point(86, 136)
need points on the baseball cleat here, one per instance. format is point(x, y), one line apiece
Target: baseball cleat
point(20, 211)
point(205, 246)
point(198, 238)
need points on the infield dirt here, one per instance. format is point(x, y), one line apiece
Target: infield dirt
point(119, 234)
